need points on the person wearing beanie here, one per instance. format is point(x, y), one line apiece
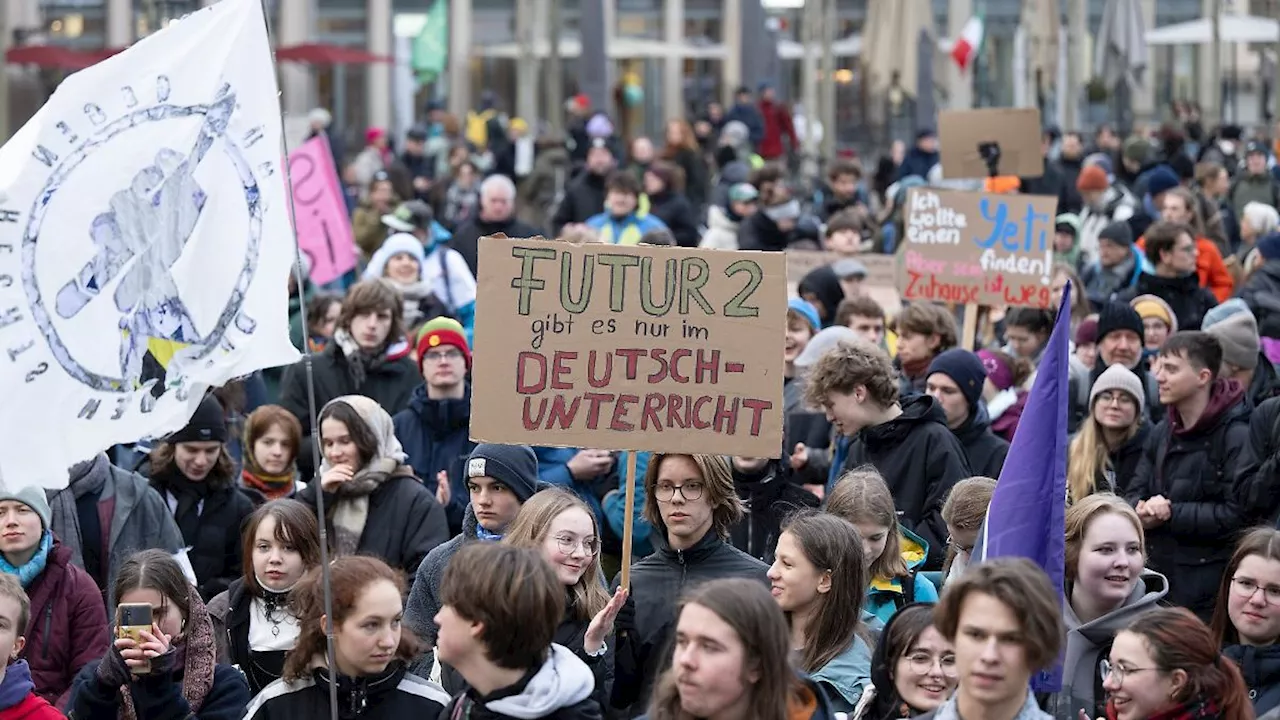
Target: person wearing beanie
point(499, 479)
point(1120, 333)
point(434, 429)
point(1254, 183)
point(1261, 290)
point(1005, 390)
point(1242, 358)
point(1158, 322)
point(1066, 234)
point(1171, 249)
point(955, 379)
point(402, 261)
point(802, 324)
point(1118, 264)
point(67, 626)
point(1187, 489)
point(194, 474)
point(1086, 350)
point(1104, 454)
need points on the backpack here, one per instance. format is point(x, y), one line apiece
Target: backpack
point(1275, 192)
point(478, 128)
point(908, 595)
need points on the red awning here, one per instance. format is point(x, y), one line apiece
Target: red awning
point(318, 54)
point(51, 56)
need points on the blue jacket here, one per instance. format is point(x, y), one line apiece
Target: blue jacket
point(435, 436)
point(883, 594)
point(615, 506)
point(846, 676)
point(626, 231)
point(553, 468)
point(158, 696)
point(748, 114)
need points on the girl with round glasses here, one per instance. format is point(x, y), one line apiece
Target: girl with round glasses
point(1247, 617)
point(913, 669)
point(563, 529)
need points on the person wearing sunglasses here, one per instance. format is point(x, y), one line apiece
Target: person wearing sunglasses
point(561, 527)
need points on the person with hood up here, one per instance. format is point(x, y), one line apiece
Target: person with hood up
point(1106, 202)
point(1261, 291)
point(1246, 619)
point(272, 437)
point(442, 271)
point(956, 379)
point(913, 669)
point(173, 672)
point(893, 554)
point(664, 186)
point(500, 609)
point(369, 355)
point(434, 428)
point(622, 223)
point(585, 193)
point(1066, 237)
point(921, 158)
point(371, 650)
point(818, 581)
point(723, 221)
point(67, 626)
point(1242, 358)
point(757, 680)
point(1106, 588)
point(497, 216)
point(746, 112)
point(1104, 454)
point(254, 623)
point(1171, 249)
point(374, 502)
point(907, 441)
point(1185, 487)
point(105, 515)
point(768, 498)
point(500, 478)
point(1158, 323)
point(821, 288)
point(18, 698)
point(195, 476)
point(1118, 266)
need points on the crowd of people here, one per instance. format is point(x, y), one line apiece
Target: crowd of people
point(483, 580)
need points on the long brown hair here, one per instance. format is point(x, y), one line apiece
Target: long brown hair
point(295, 525)
point(350, 576)
point(861, 496)
point(1261, 541)
point(529, 530)
point(259, 423)
point(1088, 455)
point(832, 545)
point(688, 140)
point(1177, 640)
point(748, 608)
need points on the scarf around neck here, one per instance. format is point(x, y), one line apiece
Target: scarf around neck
point(31, 570)
point(360, 363)
point(87, 478)
point(273, 487)
point(194, 657)
point(351, 505)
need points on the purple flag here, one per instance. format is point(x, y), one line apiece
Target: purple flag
point(1027, 515)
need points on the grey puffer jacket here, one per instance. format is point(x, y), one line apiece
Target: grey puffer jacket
point(424, 596)
point(1088, 643)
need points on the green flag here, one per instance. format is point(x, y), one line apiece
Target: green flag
point(431, 47)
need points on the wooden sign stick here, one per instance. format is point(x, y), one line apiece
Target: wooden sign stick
point(629, 520)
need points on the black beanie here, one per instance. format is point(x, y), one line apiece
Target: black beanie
point(1118, 316)
point(966, 369)
point(1117, 232)
point(208, 424)
point(514, 465)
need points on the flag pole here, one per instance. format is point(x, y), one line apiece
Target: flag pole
point(325, 578)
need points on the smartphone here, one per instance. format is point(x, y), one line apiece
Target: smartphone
point(132, 619)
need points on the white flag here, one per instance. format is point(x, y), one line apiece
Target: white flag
point(145, 243)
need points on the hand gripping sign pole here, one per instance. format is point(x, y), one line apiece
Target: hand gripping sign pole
point(311, 411)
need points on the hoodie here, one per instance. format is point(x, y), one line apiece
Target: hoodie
point(984, 450)
point(885, 595)
point(920, 460)
point(722, 230)
point(560, 688)
point(1089, 643)
point(1261, 669)
point(18, 700)
point(823, 285)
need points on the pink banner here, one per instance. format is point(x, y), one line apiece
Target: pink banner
point(324, 229)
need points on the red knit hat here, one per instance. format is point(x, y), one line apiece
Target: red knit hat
point(443, 331)
point(1092, 179)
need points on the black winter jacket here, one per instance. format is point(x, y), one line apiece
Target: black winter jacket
point(1196, 470)
point(466, 239)
point(1261, 669)
point(678, 214)
point(390, 695)
point(435, 435)
point(158, 696)
point(984, 450)
point(1261, 292)
point(229, 611)
point(1126, 458)
point(657, 582)
point(1259, 471)
point(920, 460)
point(1188, 300)
point(405, 522)
point(758, 232)
point(390, 384)
point(768, 497)
point(216, 544)
point(583, 197)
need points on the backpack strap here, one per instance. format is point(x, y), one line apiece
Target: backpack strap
point(908, 595)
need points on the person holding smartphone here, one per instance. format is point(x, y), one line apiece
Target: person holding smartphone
point(166, 669)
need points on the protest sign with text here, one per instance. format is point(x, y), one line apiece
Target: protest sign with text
point(629, 348)
point(320, 209)
point(978, 248)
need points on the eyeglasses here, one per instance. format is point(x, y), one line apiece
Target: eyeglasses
point(957, 546)
point(688, 491)
point(590, 546)
point(1246, 587)
point(1119, 398)
point(1118, 671)
point(442, 356)
point(921, 662)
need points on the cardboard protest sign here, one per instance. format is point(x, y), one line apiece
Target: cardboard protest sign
point(882, 274)
point(1016, 130)
point(629, 348)
point(978, 248)
point(320, 209)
